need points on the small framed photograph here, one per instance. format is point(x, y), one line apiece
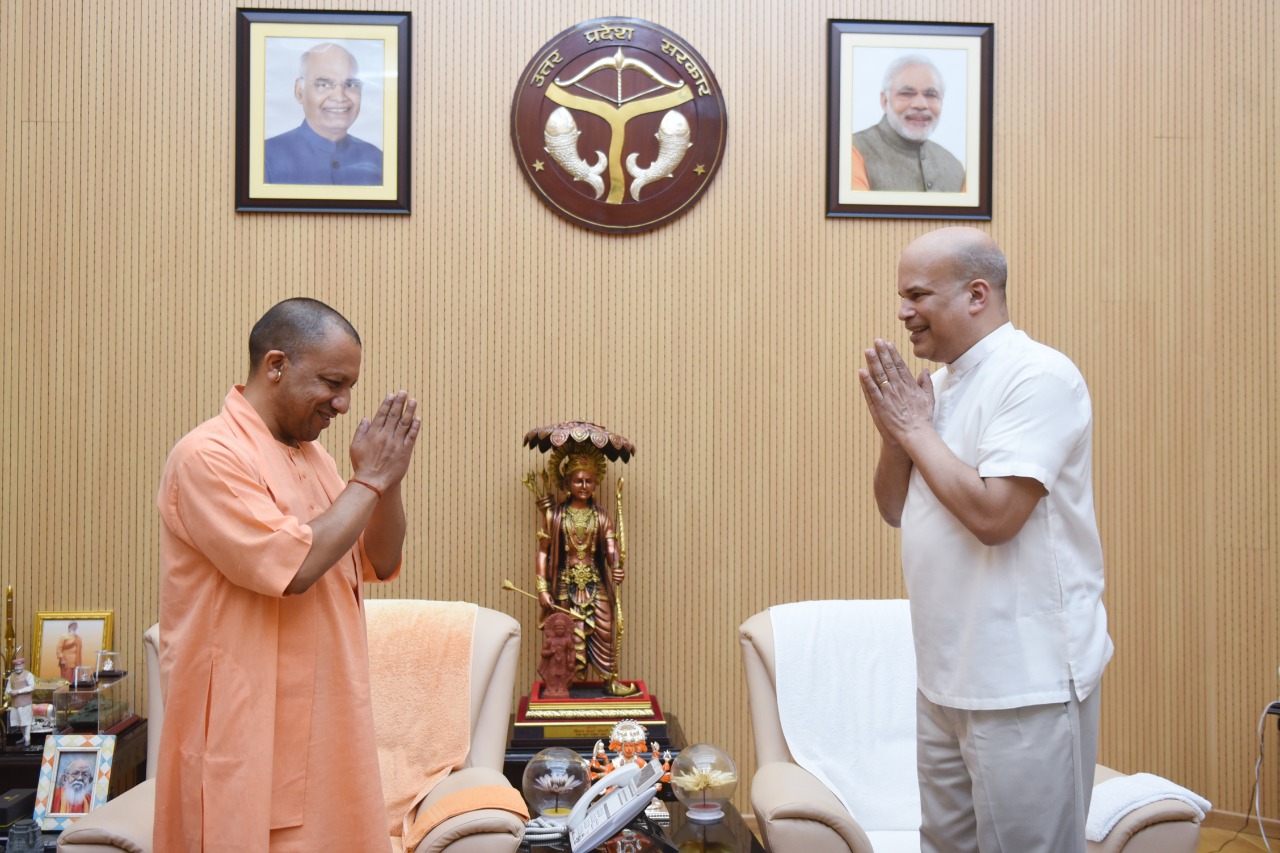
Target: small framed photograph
point(322, 111)
point(66, 639)
point(909, 119)
point(75, 775)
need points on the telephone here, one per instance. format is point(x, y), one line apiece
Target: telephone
point(623, 794)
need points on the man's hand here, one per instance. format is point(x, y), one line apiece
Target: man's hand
point(383, 447)
point(380, 456)
point(897, 402)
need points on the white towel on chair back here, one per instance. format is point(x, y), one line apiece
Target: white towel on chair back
point(846, 677)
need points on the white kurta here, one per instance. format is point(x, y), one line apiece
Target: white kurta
point(1015, 624)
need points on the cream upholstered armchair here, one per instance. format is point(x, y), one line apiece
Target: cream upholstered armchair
point(798, 813)
point(125, 823)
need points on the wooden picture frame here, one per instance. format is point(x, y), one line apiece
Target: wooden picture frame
point(92, 627)
point(75, 778)
point(346, 73)
point(925, 153)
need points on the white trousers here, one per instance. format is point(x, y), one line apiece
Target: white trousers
point(1010, 781)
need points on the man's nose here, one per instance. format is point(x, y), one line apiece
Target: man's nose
point(905, 311)
point(342, 403)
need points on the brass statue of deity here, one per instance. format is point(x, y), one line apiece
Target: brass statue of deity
point(581, 558)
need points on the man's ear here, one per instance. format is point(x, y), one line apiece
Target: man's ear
point(979, 291)
point(273, 365)
point(297, 89)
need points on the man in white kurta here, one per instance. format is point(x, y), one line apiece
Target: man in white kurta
point(987, 467)
point(19, 687)
point(268, 734)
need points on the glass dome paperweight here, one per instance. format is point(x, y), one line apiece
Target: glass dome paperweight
point(554, 780)
point(704, 778)
point(82, 676)
point(108, 665)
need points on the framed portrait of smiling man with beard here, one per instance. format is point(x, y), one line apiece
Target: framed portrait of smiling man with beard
point(322, 111)
point(909, 120)
point(75, 774)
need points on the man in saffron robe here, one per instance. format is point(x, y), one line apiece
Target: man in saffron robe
point(268, 734)
point(70, 651)
point(75, 785)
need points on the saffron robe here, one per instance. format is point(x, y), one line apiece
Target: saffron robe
point(69, 652)
point(61, 803)
point(268, 737)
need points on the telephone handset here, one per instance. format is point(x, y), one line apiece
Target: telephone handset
point(623, 794)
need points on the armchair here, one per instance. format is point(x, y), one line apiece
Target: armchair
point(125, 822)
point(798, 813)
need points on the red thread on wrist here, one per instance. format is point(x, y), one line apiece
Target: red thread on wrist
point(373, 489)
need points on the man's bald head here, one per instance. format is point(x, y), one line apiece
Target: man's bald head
point(294, 326)
point(970, 253)
point(952, 284)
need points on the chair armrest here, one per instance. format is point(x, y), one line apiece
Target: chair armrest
point(155, 698)
point(120, 824)
point(495, 654)
point(756, 638)
point(480, 831)
point(1169, 826)
point(1166, 826)
point(795, 813)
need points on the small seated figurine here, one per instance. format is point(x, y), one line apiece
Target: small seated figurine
point(627, 740)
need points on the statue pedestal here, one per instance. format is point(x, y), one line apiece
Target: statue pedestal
point(587, 715)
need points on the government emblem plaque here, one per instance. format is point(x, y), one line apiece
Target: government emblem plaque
point(618, 125)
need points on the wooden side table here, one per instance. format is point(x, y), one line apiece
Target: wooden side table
point(20, 768)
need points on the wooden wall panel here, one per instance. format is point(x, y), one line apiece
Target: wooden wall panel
point(1135, 193)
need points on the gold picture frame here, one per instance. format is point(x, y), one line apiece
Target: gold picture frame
point(92, 627)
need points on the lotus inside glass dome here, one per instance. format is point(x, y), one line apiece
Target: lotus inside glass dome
point(554, 780)
point(704, 778)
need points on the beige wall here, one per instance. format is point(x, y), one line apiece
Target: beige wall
point(1135, 193)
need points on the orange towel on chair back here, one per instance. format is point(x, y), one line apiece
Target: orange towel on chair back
point(420, 668)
